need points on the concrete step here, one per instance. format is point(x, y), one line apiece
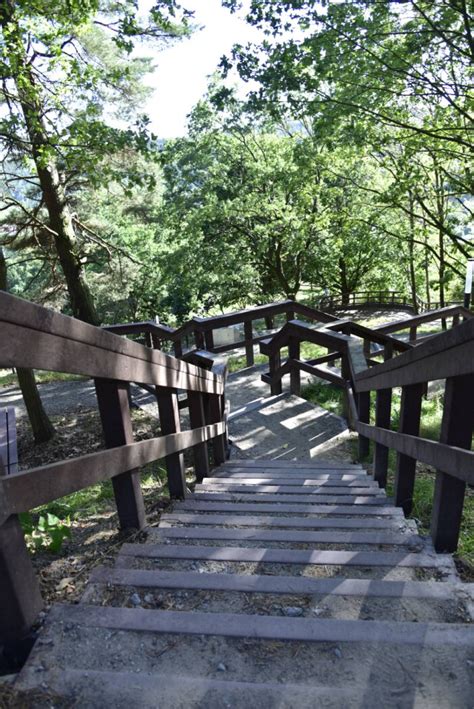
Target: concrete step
point(289, 489)
point(413, 542)
point(296, 496)
point(301, 522)
point(288, 556)
point(265, 628)
point(352, 481)
point(294, 585)
point(280, 507)
point(291, 464)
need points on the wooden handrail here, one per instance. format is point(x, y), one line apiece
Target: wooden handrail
point(38, 338)
point(449, 355)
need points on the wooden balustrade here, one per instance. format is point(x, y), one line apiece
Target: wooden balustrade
point(38, 338)
point(448, 356)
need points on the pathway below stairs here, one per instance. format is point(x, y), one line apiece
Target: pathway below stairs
point(275, 584)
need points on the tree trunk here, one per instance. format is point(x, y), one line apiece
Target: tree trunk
point(60, 220)
point(411, 255)
point(345, 289)
point(42, 427)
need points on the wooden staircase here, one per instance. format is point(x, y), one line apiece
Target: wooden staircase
point(275, 584)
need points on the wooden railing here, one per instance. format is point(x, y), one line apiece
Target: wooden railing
point(448, 356)
point(37, 338)
point(361, 299)
point(455, 312)
point(202, 330)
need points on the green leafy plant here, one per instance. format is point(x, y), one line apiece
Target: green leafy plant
point(45, 531)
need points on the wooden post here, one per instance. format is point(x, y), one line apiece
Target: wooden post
point(295, 374)
point(248, 331)
point(290, 315)
point(198, 419)
point(383, 405)
point(168, 411)
point(274, 363)
point(363, 402)
point(155, 341)
point(455, 320)
point(209, 340)
point(214, 414)
point(412, 337)
point(178, 348)
point(20, 597)
point(456, 430)
point(199, 339)
point(410, 413)
point(114, 409)
point(269, 322)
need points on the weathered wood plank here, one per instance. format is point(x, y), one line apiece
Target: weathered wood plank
point(266, 627)
point(29, 489)
point(410, 413)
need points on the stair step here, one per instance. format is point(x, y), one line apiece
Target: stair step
point(319, 474)
point(288, 536)
point(293, 497)
point(279, 507)
point(171, 518)
point(291, 464)
point(291, 490)
point(295, 480)
point(124, 690)
point(265, 627)
point(294, 585)
point(287, 556)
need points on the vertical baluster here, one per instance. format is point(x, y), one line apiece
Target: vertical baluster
point(214, 409)
point(274, 363)
point(269, 322)
point(168, 412)
point(295, 374)
point(114, 410)
point(410, 412)
point(197, 420)
point(178, 348)
point(456, 430)
point(209, 339)
point(363, 402)
point(413, 331)
point(383, 404)
point(20, 597)
point(248, 331)
point(198, 339)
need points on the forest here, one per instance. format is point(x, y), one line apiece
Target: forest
point(345, 165)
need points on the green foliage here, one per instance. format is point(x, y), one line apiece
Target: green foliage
point(45, 531)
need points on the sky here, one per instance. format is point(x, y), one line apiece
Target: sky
point(182, 71)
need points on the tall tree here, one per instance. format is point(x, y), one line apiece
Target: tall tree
point(63, 66)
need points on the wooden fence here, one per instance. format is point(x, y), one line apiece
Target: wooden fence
point(447, 356)
point(38, 338)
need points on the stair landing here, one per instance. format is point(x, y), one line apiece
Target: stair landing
point(275, 584)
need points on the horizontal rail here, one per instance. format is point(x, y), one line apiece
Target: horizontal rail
point(29, 489)
point(64, 344)
point(441, 313)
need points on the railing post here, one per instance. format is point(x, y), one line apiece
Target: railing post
point(269, 322)
point(412, 336)
point(197, 420)
point(114, 410)
point(383, 405)
point(178, 348)
point(214, 409)
point(20, 597)
point(363, 404)
point(456, 430)
point(199, 339)
point(274, 363)
point(295, 374)
point(168, 411)
point(410, 412)
point(455, 320)
point(209, 340)
point(248, 332)
point(290, 315)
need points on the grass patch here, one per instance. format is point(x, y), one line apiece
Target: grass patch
point(9, 378)
point(329, 396)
